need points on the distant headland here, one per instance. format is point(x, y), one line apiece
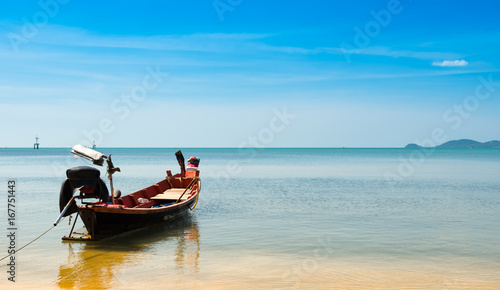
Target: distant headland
point(462, 143)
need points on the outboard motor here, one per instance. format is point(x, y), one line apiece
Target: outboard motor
point(85, 179)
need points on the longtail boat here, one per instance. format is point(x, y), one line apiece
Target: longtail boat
point(105, 215)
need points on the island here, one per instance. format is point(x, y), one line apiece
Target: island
point(462, 143)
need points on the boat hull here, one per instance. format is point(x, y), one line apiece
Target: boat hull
point(103, 222)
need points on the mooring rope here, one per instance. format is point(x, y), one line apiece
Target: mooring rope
point(28, 244)
point(198, 194)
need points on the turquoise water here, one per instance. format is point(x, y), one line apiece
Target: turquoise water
point(275, 218)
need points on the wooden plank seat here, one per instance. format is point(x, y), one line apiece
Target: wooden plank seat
point(172, 194)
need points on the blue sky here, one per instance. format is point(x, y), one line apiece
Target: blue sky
point(231, 73)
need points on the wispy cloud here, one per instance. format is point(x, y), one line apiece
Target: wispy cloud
point(385, 51)
point(67, 37)
point(203, 42)
point(450, 63)
point(371, 51)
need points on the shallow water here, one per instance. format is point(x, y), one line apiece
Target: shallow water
point(274, 218)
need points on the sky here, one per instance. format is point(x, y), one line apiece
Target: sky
point(234, 73)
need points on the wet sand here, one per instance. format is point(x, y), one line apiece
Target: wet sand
point(265, 273)
point(96, 269)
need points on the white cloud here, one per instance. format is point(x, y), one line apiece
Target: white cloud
point(450, 63)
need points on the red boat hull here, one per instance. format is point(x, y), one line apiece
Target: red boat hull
point(102, 222)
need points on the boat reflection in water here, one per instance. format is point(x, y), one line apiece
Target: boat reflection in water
point(100, 265)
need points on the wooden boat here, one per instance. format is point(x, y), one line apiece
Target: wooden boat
point(109, 215)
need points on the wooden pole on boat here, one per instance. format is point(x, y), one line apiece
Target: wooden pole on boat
point(169, 183)
point(180, 159)
point(192, 181)
point(110, 176)
point(111, 169)
point(73, 227)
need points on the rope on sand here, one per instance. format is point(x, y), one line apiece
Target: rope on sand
point(26, 245)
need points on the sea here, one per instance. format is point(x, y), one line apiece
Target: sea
point(267, 218)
